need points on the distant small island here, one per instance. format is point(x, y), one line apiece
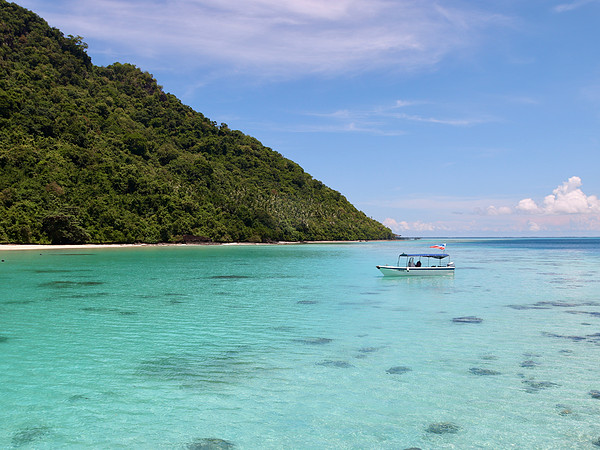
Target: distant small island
point(94, 154)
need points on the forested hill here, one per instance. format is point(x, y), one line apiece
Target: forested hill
point(103, 154)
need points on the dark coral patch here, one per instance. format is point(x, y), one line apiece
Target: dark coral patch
point(467, 319)
point(331, 363)
point(210, 444)
point(29, 435)
point(593, 338)
point(483, 372)
point(555, 304)
point(532, 386)
point(594, 394)
point(70, 284)
point(589, 313)
point(530, 364)
point(368, 349)
point(522, 307)
point(398, 370)
point(314, 341)
point(563, 410)
point(443, 428)
point(229, 277)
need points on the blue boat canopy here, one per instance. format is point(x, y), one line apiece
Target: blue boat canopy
point(427, 255)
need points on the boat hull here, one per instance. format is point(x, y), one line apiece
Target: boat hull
point(394, 271)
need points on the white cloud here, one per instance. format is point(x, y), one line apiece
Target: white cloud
point(527, 205)
point(532, 226)
point(403, 103)
point(501, 211)
point(444, 121)
point(563, 7)
point(383, 120)
point(274, 37)
point(565, 199)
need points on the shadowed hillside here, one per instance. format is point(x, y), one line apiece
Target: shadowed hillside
point(103, 154)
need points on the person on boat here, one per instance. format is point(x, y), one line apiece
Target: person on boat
point(418, 264)
point(411, 262)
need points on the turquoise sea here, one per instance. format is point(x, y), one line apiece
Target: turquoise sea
point(301, 346)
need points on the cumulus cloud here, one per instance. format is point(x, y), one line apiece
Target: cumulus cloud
point(527, 205)
point(565, 199)
point(274, 37)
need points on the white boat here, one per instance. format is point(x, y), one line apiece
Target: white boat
point(419, 264)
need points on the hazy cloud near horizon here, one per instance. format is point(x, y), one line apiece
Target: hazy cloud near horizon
point(554, 211)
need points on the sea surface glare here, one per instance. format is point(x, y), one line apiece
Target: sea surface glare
point(301, 346)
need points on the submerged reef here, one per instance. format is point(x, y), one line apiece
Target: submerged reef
point(483, 372)
point(443, 428)
point(314, 341)
point(553, 304)
point(593, 338)
point(210, 444)
point(529, 364)
point(467, 319)
point(589, 313)
point(563, 410)
point(28, 435)
point(95, 309)
point(69, 284)
point(368, 349)
point(532, 386)
point(228, 277)
point(398, 370)
point(331, 363)
point(594, 394)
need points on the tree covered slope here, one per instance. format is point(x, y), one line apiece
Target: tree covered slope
point(103, 154)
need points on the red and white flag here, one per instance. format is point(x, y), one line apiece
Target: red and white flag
point(441, 246)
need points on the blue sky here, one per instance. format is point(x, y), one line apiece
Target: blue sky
point(437, 118)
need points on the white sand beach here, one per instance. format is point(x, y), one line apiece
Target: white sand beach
point(19, 247)
point(13, 247)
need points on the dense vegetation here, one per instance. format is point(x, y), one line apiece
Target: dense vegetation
point(103, 154)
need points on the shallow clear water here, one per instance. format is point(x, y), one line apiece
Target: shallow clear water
point(303, 346)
